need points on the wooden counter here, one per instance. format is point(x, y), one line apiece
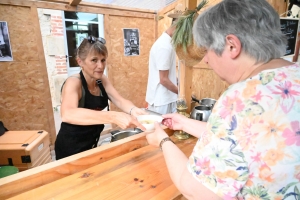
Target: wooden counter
point(101, 173)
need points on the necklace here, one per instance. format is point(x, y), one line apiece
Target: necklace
point(94, 90)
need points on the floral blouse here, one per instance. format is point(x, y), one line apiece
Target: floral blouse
point(252, 147)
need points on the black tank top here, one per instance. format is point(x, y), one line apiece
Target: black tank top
point(72, 138)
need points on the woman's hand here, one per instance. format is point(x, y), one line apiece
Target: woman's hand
point(174, 121)
point(124, 121)
point(137, 111)
point(154, 138)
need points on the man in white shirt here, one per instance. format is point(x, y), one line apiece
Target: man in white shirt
point(162, 89)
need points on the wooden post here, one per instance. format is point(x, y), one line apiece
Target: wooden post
point(181, 87)
point(191, 4)
point(188, 87)
point(187, 71)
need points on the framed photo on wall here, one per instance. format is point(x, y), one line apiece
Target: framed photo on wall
point(5, 47)
point(131, 42)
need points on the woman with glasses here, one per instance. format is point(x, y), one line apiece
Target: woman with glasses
point(84, 96)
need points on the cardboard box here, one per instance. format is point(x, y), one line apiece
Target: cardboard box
point(25, 149)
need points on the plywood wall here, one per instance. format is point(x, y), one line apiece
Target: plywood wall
point(25, 102)
point(129, 74)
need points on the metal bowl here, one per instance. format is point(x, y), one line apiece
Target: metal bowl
point(121, 134)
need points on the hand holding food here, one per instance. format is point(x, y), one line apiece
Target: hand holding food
point(174, 121)
point(148, 121)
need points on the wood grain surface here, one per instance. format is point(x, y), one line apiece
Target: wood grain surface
point(140, 174)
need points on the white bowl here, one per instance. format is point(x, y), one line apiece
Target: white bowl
point(148, 121)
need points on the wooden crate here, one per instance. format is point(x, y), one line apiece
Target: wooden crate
point(25, 149)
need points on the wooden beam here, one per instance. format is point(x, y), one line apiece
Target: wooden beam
point(74, 2)
point(43, 69)
point(83, 7)
point(83, 3)
point(167, 9)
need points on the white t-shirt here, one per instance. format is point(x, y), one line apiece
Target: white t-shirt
point(162, 57)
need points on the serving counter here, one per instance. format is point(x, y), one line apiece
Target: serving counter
point(125, 169)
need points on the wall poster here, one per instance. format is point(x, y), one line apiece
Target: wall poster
point(131, 42)
point(5, 47)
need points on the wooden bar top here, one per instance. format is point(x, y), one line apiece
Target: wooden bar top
point(140, 174)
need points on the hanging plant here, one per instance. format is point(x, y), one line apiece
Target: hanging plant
point(182, 38)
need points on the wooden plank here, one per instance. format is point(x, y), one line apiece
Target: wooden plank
point(81, 8)
point(101, 5)
point(44, 174)
point(295, 57)
point(188, 87)
point(191, 4)
point(120, 8)
point(141, 174)
point(167, 8)
point(74, 2)
point(43, 68)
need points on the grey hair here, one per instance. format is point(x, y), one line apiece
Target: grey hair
point(254, 22)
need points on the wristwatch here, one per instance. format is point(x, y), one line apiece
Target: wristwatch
point(163, 141)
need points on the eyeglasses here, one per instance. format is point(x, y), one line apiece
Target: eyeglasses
point(93, 39)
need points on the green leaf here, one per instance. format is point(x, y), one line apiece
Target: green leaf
point(228, 163)
point(244, 176)
point(297, 192)
point(283, 191)
point(183, 34)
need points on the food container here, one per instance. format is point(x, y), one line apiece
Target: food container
point(148, 121)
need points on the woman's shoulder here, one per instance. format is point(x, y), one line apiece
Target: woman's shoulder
point(73, 81)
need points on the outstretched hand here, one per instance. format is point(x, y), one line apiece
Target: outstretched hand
point(124, 121)
point(174, 121)
point(154, 138)
point(137, 111)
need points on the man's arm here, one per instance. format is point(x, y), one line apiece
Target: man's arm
point(165, 81)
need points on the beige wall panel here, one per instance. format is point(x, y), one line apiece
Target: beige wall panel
point(279, 6)
point(20, 29)
point(22, 93)
point(129, 74)
point(164, 23)
point(206, 84)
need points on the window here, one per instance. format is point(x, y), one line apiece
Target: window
point(78, 26)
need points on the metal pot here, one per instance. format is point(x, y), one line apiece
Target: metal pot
point(201, 113)
point(195, 99)
point(121, 134)
point(208, 102)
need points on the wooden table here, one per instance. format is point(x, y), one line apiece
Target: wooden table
point(99, 174)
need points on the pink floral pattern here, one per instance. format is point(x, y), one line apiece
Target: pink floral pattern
point(288, 92)
point(292, 136)
point(251, 149)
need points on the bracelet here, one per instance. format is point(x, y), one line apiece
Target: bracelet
point(163, 141)
point(131, 110)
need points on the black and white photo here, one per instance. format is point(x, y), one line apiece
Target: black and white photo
point(5, 47)
point(131, 42)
